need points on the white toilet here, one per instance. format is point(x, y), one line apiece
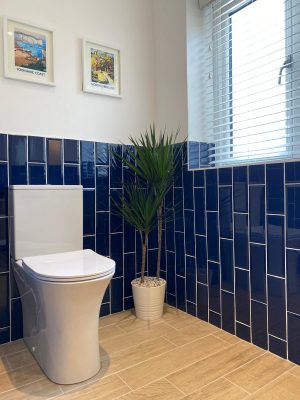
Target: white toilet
point(61, 285)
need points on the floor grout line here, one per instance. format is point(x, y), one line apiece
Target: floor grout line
point(173, 384)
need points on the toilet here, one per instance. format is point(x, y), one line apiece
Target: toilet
point(60, 284)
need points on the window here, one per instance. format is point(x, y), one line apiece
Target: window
point(253, 59)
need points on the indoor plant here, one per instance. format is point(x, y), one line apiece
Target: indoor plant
point(153, 160)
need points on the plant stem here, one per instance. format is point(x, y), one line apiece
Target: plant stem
point(159, 239)
point(144, 250)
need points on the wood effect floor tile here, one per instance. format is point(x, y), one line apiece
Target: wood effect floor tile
point(295, 370)
point(179, 320)
point(116, 318)
point(20, 377)
point(138, 354)
point(116, 344)
point(221, 389)
point(110, 331)
point(259, 372)
point(286, 387)
point(12, 347)
point(41, 389)
point(158, 367)
point(107, 388)
point(159, 390)
point(190, 332)
point(133, 324)
point(203, 372)
point(231, 339)
point(21, 358)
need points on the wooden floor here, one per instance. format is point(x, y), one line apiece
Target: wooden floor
point(177, 357)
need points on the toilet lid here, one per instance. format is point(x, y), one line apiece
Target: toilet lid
point(69, 266)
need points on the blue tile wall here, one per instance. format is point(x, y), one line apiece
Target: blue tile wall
point(247, 251)
point(38, 161)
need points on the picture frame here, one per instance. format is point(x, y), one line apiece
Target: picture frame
point(101, 69)
point(28, 52)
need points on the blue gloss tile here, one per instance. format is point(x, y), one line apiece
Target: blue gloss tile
point(189, 236)
point(71, 151)
point(37, 174)
point(256, 174)
point(87, 164)
point(171, 299)
point(105, 310)
point(201, 259)
point(243, 332)
point(278, 346)
point(152, 262)
point(116, 220)
point(276, 307)
point(171, 273)
point(180, 254)
point(178, 209)
point(16, 319)
point(241, 242)
point(242, 296)
point(225, 215)
point(240, 189)
point(225, 176)
point(292, 172)
point(116, 295)
point(71, 174)
point(228, 312)
point(191, 279)
point(259, 324)
point(102, 233)
point(202, 302)
point(293, 338)
point(117, 252)
point(194, 154)
point(215, 319)
point(36, 149)
point(115, 166)
point(257, 214)
point(275, 188)
point(54, 161)
point(180, 295)
point(199, 178)
point(258, 272)
point(14, 291)
point(4, 300)
point(89, 242)
point(275, 235)
point(4, 246)
point(293, 217)
point(188, 191)
point(200, 223)
point(227, 267)
point(211, 177)
point(129, 273)
point(212, 236)
point(128, 303)
point(3, 147)
point(88, 212)
point(170, 235)
point(17, 160)
point(106, 297)
point(102, 154)
point(293, 280)
point(3, 190)
point(4, 335)
point(214, 286)
point(129, 238)
point(102, 188)
point(191, 308)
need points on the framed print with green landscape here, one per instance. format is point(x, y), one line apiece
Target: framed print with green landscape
point(28, 52)
point(101, 69)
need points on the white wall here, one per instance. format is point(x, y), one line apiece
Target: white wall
point(65, 111)
point(170, 65)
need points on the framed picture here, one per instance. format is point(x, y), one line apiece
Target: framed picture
point(28, 52)
point(101, 69)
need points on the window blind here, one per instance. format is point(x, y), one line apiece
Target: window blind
point(250, 71)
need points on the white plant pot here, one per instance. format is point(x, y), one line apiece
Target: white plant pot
point(149, 301)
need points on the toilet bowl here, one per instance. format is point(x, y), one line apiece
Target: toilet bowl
point(61, 296)
point(60, 284)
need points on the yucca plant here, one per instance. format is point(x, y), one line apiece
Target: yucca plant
point(139, 208)
point(154, 159)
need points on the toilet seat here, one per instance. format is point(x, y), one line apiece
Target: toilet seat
point(73, 266)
